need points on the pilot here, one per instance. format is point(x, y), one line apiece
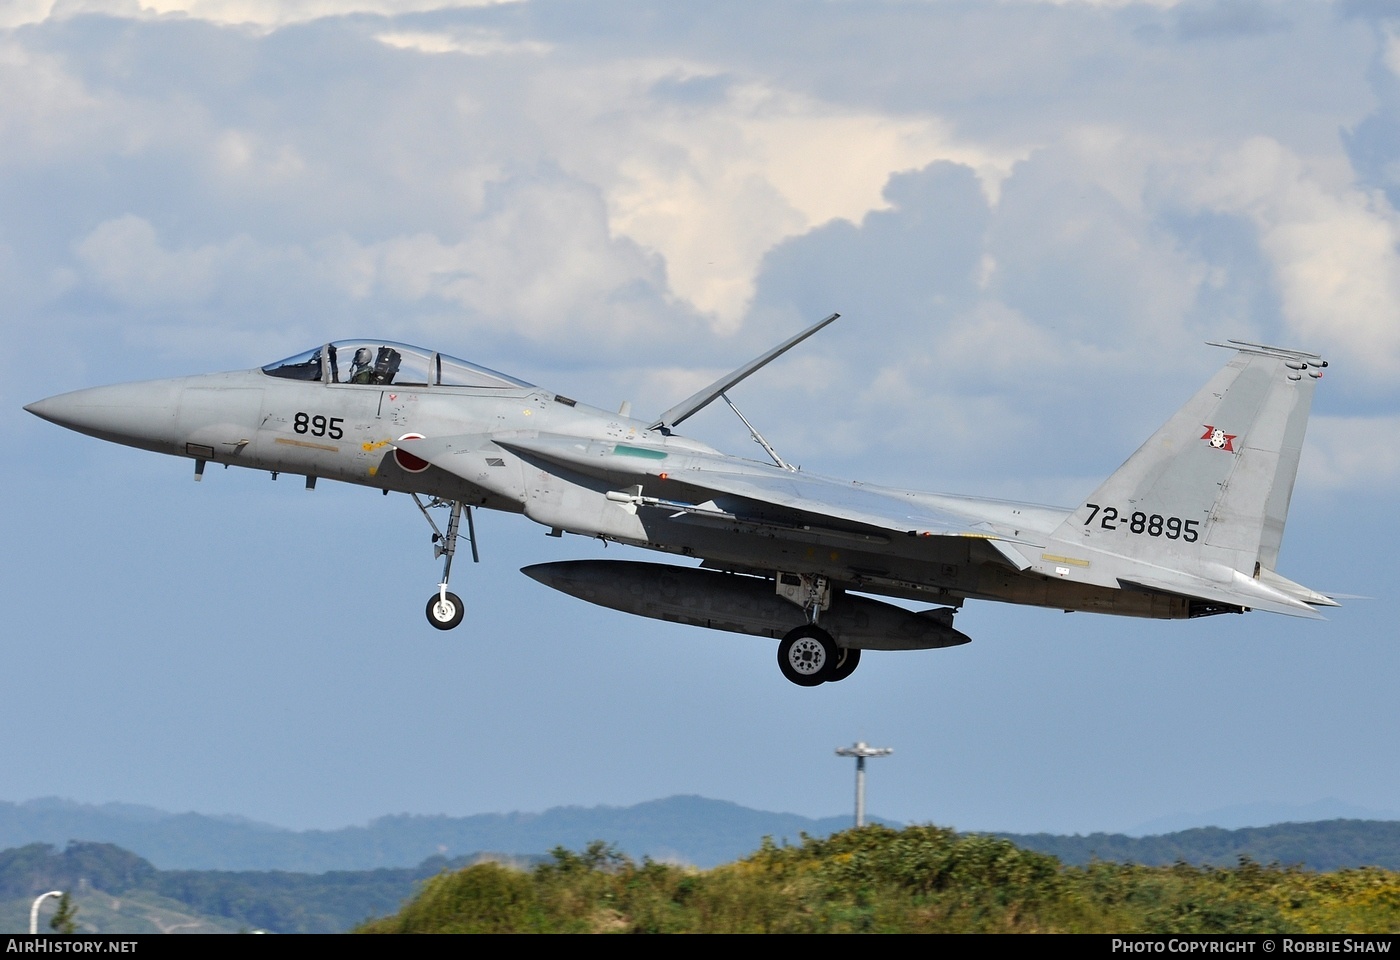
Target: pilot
point(362, 370)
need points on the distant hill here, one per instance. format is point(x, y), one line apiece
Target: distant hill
point(682, 829)
point(1326, 845)
point(1244, 815)
point(116, 891)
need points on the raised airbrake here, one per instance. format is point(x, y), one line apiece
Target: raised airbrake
point(1189, 526)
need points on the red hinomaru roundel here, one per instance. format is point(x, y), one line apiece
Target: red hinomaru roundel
point(407, 460)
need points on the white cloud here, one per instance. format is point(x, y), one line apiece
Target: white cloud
point(545, 262)
point(475, 43)
point(244, 153)
point(277, 13)
point(1335, 250)
point(1112, 4)
point(19, 12)
point(124, 258)
point(709, 184)
point(541, 264)
point(716, 187)
point(1390, 56)
point(568, 187)
point(1351, 454)
point(43, 108)
point(1079, 251)
point(262, 13)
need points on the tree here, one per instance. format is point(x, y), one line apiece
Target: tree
point(64, 918)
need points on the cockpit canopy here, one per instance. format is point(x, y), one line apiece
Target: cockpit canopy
point(383, 362)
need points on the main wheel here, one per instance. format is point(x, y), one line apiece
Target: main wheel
point(847, 659)
point(807, 656)
point(446, 615)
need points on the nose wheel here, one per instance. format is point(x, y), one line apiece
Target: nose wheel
point(445, 609)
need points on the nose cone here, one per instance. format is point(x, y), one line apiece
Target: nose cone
point(43, 408)
point(138, 414)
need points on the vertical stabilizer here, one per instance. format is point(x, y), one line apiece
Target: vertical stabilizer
point(1215, 481)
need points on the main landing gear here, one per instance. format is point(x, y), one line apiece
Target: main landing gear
point(445, 609)
point(808, 655)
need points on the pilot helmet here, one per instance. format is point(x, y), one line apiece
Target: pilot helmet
point(362, 357)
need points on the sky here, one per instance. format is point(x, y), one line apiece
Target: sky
point(1031, 215)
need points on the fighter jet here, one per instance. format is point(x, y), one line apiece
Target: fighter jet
point(1190, 526)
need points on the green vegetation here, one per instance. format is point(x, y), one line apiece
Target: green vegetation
point(877, 880)
point(65, 918)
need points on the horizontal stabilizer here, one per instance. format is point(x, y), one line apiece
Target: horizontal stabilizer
point(1244, 593)
point(1297, 591)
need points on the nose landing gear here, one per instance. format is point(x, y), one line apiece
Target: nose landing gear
point(445, 609)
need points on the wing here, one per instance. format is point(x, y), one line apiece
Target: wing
point(708, 485)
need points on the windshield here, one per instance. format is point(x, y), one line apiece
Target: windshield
point(384, 362)
point(304, 366)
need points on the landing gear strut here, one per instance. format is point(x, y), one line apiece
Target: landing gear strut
point(445, 609)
